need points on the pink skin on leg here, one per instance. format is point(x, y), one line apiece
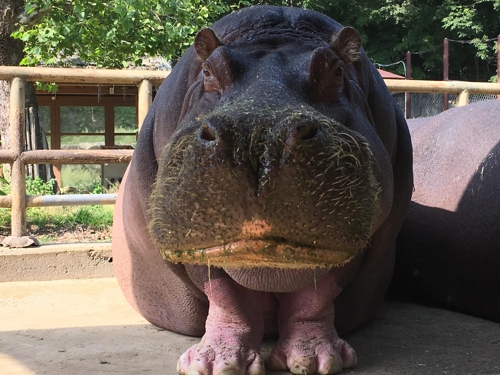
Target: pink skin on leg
point(231, 344)
point(309, 342)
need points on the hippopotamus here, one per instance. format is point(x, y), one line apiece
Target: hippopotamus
point(264, 197)
point(449, 245)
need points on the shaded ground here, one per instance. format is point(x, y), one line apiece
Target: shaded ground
point(87, 327)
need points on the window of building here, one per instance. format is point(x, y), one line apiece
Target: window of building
point(83, 118)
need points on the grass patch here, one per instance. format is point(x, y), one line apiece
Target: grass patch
point(62, 223)
point(98, 217)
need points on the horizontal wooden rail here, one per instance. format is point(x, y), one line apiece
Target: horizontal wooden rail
point(68, 156)
point(442, 87)
point(76, 156)
point(83, 76)
point(7, 157)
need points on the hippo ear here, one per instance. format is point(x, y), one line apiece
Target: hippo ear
point(205, 43)
point(325, 75)
point(346, 43)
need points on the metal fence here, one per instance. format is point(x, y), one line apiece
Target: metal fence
point(18, 157)
point(428, 104)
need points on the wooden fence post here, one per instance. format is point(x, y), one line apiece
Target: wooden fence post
point(462, 98)
point(144, 99)
point(407, 94)
point(17, 142)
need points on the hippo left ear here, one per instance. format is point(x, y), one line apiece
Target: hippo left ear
point(346, 43)
point(205, 42)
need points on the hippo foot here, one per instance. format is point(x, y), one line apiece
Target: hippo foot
point(307, 351)
point(220, 357)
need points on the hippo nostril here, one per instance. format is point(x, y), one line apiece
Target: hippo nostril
point(207, 133)
point(307, 132)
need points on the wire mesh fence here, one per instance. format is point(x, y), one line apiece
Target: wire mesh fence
point(478, 97)
point(425, 105)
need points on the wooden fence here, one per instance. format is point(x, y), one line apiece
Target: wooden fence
point(461, 88)
point(18, 201)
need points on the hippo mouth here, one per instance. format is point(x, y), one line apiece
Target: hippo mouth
point(250, 253)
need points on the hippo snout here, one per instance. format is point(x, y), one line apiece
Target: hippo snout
point(304, 181)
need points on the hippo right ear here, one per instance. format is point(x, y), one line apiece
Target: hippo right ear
point(205, 42)
point(346, 43)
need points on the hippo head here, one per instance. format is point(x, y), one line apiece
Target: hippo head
point(273, 157)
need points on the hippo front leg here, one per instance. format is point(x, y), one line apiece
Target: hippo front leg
point(234, 329)
point(309, 342)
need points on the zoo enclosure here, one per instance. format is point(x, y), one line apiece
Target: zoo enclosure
point(18, 157)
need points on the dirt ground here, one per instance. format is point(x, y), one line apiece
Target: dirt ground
point(62, 234)
point(86, 327)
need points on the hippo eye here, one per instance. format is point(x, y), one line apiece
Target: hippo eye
point(338, 69)
point(209, 80)
point(206, 69)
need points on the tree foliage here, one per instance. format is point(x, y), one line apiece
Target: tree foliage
point(114, 33)
point(390, 28)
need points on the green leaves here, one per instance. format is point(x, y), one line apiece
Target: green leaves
point(112, 32)
point(390, 28)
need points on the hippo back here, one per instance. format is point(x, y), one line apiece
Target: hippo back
point(449, 245)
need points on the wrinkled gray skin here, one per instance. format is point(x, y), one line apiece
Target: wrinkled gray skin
point(449, 245)
point(274, 142)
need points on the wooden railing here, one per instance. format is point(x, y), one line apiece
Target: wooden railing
point(461, 88)
point(18, 201)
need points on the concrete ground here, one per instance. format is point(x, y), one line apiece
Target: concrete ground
point(85, 326)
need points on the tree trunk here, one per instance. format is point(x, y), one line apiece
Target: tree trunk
point(11, 54)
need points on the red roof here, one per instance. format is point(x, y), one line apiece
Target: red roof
point(386, 74)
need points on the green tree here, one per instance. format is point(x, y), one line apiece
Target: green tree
point(390, 28)
point(113, 33)
point(11, 53)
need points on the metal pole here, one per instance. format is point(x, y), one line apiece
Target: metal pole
point(17, 142)
point(408, 76)
point(498, 62)
point(446, 67)
point(145, 98)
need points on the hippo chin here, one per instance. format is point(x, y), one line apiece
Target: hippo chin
point(269, 183)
